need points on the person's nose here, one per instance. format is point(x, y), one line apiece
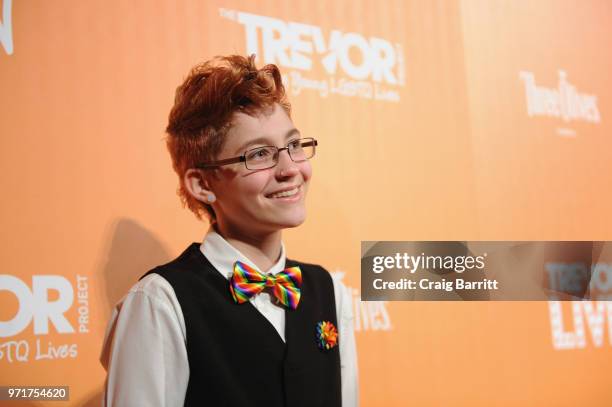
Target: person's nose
point(286, 167)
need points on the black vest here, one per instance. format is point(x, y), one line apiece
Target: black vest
point(236, 357)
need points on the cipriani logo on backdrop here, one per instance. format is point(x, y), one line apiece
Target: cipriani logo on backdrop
point(563, 102)
point(6, 27)
point(354, 66)
point(43, 306)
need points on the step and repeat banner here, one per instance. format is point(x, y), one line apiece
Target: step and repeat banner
point(437, 120)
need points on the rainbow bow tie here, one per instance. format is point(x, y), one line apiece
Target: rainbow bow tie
point(246, 282)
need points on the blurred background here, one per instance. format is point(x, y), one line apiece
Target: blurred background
point(436, 120)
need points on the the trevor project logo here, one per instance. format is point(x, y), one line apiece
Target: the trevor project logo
point(353, 65)
point(43, 305)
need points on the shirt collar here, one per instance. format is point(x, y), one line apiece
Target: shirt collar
point(223, 255)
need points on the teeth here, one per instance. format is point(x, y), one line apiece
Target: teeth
point(285, 194)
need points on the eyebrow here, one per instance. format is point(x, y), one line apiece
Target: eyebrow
point(265, 140)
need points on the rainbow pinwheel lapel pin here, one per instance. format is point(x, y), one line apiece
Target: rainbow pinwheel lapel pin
point(327, 335)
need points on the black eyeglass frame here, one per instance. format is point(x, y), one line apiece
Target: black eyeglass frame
point(311, 143)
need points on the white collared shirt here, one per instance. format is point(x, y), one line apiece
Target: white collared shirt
point(144, 348)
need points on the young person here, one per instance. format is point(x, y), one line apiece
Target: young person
point(232, 321)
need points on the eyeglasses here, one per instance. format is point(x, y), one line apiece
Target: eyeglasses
point(261, 158)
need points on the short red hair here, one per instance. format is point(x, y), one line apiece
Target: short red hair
point(203, 110)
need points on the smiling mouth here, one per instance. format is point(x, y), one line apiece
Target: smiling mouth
point(285, 194)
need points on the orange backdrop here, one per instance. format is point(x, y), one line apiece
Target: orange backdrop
point(437, 120)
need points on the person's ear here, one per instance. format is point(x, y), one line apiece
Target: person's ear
point(198, 187)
